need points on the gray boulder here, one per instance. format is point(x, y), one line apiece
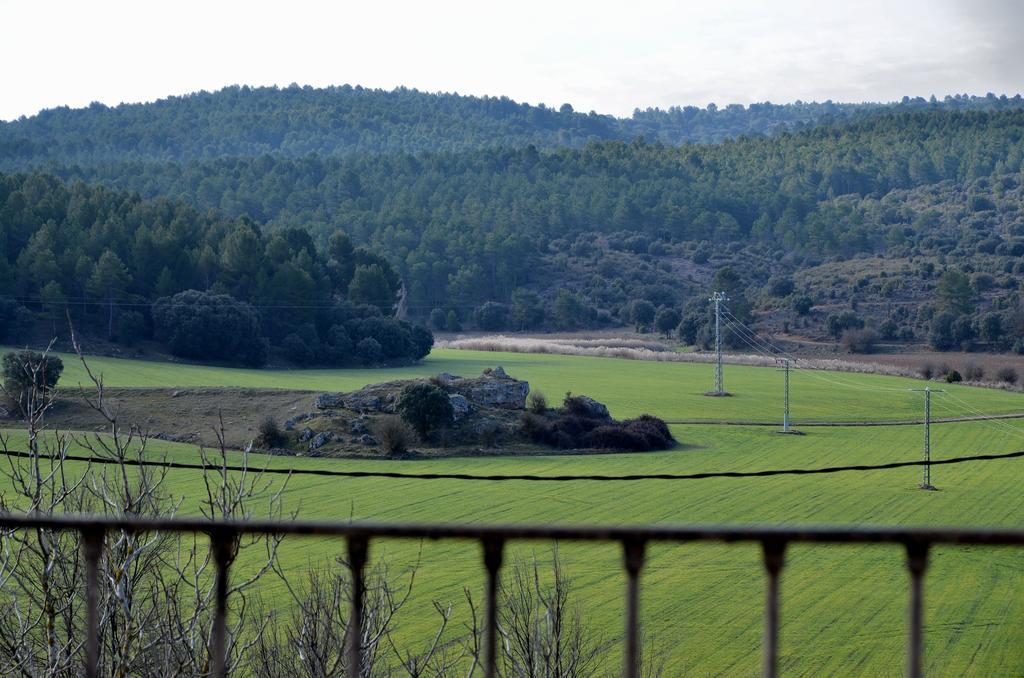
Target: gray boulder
point(460, 406)
point(290, 423)
point(305, 434)
point(360, 401)
point(321, 439)
point(367, 439)
point(329, 401)
point(494, 388)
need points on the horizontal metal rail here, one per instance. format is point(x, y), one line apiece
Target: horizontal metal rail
point(633, 540)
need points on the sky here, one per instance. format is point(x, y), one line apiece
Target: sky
point(609, 57)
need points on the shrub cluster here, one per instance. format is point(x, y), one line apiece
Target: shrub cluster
point(567, 430)
point(425, 407)
point(206, 326)
point(269, 435)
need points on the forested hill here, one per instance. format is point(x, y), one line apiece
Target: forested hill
point(296, 121)
point(566, 238)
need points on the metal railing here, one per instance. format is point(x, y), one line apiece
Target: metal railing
point(773, 540)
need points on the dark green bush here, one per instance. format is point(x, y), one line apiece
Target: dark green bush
point(575, 428)
point(29, 377)
point(613, 438)
point(425, 407)
point(209, 326)
point(269, 435)
point(369, 350)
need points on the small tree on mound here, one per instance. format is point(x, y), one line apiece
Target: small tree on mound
point(269, 435)
point(29, 376)
point(425, 407)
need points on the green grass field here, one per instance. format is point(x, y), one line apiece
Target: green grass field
point(843, 607)
point(673, 391)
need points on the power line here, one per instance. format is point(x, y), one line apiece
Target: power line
point(995, 420)
point(86, 302)
point(773, 352)
point(521, 477)
point(748, 336)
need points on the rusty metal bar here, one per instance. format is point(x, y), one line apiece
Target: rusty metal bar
point(92, 548)
point(917, 563)
point(493, 555)
point(721, 533)
point(358, 551)
point(224, 535)
point(222, 544)
point(774, 553)
point(633, 560)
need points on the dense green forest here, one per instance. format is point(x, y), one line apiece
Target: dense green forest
point(204, 285)
point(296, 121)
point(535, 218)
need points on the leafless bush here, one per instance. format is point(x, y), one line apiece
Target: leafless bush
point(542, 629)
point(312, 640)
point(393, 434)
point(537, 402)
point(859, 340)
point(155, 590)
point(1007, 375)
point(974, 372)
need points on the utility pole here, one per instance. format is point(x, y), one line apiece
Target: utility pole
point(785, 399)
point(718, 298)
point(926, 480)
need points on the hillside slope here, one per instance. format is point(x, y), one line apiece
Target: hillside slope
point(295, 121)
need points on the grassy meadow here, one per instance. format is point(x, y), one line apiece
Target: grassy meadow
point(673, 391)
point(843, 607)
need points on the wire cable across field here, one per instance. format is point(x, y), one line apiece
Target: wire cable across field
point(769, 350)
point(169, 464)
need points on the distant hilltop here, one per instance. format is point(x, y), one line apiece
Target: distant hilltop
point(296, 121)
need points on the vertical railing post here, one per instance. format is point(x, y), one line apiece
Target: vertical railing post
point(358, 551)
point(223, 543)
point(633, 559)
point(92, 548)
point(917, 563)
point(493, 556)
point(774, 553)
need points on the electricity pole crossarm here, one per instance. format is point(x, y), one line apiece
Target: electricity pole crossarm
point(926, 480)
